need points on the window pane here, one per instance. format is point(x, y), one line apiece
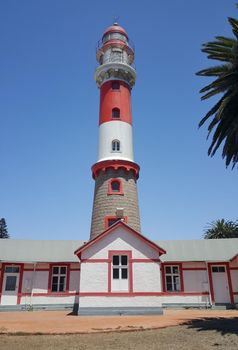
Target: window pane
point(124, 259)
point(115, 274)
point(11, 283)
point(214, 269)
point(169, 287)
point(221, 269)
point(55, 279)
point(55, 270)
point(115, 186)
point(11, 269)
point(168, 279)
point(115, 260)
point(168, 269)
point(112, 221)
point(176, 281)
point(63, 270)
point(61, 287)
point(116, 113)
point(54, 288)
point(175, 269)
point(62, 279)
point(124, 274)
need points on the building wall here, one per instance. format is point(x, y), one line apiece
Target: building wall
point(35, 285)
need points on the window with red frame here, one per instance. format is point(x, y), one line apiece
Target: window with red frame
point(172, 278)
point(115, 187)
point(111, 220)
point(58, 279)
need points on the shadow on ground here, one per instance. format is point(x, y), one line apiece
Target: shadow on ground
point(219, 324)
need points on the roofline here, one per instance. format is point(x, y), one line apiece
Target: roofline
point(108, 231)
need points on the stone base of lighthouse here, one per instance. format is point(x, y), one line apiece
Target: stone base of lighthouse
point(109, 206)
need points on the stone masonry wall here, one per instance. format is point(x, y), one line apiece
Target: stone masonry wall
point(106, 205)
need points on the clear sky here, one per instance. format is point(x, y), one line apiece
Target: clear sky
point(49, 115)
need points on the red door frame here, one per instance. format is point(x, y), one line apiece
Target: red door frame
point(228, 275)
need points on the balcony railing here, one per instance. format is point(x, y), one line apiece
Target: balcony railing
point(117, 59)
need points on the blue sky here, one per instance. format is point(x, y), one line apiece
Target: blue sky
point(49, 115)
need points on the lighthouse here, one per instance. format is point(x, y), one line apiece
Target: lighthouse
point(115, 172)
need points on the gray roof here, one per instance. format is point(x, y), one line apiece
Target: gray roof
point(199, 250)
point(17, 250)
point(13, 250)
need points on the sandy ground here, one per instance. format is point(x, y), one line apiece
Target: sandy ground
point(205, 336)
point(60, 322)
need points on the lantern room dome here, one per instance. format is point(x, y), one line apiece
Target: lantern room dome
point(115, 28)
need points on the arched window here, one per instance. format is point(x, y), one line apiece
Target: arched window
point(115, 186)
point(115, 113)
point(116, 146)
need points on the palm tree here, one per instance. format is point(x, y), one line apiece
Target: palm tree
point(221, 229)
point(224, 113)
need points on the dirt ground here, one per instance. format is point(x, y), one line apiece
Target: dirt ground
point(175, 330)
point(57, 322)
point(185, 337)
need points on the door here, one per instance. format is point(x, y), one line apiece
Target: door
point(10, 285)
point(220, 284)
point(120, 272)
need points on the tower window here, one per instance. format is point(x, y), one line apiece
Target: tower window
point(115, 113)
point(111, 220)
point(116, 146)
point(115, 187)
point(115, 85)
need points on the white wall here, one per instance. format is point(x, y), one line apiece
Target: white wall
point(140, 301)
point(115, 130)
point(120, 239)
point(146, 277)
point(94, 277)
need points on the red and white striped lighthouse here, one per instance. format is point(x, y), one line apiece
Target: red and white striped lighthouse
point(115, 172)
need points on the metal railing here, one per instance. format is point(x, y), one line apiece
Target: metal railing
point(128, 42)
point(117, 59)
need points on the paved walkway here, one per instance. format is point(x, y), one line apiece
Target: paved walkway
point(58, 322)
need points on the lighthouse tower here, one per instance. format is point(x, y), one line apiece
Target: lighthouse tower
point(115, 172)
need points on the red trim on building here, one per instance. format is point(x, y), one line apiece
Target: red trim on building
point(115, 29)
point(51, 294)
point(145, 260)
point(115, 164)
point(163, 265)
point(36, 270)
point(110, 190)
point(95, 260)
point(123, 294)
point(233, 268)
point(194, 269)
point(112, 228)
point(20, 283)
